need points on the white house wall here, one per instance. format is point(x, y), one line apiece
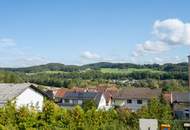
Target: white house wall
point(30, 98)
point(134, 106)
point(148, 124)
point(102, 103)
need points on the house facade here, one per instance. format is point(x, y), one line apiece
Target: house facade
point(72, 99)
point(130, 103)
point(180, 102)
point(135, 98)
point(22, 95)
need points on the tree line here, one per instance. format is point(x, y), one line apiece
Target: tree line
point(169, 67)
point(95, 77)
point(54, 117)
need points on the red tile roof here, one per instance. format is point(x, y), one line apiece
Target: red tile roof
point(61, 92)
point(167, 97)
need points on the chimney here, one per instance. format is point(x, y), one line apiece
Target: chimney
point(189, 70)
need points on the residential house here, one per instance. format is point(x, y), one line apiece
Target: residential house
point(135, 98)
point(24, 94)
point(57, 94)
point(107, 91)
point(72, 99)
point(180, 102)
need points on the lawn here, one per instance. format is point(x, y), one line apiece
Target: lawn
point(127, 71)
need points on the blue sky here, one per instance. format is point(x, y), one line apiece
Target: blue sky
point(87, 31)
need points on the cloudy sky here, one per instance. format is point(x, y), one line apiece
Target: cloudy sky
point(83, 31)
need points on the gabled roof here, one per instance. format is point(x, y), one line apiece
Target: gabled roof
point(106, 90)
point(137, 93)
point(181, 97)
point(80, 95)
point(9, 91)
point(96, 96)
point(61, 92)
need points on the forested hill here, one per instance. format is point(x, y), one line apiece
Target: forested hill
point(47, 67)
point(166, 67)
point(54, 74)
point(169, 67)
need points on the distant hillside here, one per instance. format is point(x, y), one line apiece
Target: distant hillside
point(169, 67)
point(47, 67)
point(180, 67)
point(111, 65)
point(60, 75)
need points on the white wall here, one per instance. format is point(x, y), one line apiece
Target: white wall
point(134, 106)
point(30, 98)
point(148, 124)
point(102, 103)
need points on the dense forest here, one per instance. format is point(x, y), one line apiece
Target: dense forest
point(168, 76)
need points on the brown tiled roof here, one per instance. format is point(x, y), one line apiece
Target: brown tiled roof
point(137, 93)
point(109, 93)
point(61, 92)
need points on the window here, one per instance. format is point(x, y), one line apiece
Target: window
point(129, 101)
point(187, 115)
point(66, 100)
point(37, 104)
point(139, 101)
point(75, 101)
point(80, 102)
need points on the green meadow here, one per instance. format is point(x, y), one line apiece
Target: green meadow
point(128, 71)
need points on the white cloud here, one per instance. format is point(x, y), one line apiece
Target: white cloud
point(172, 31)
point(158, 59)
point(7, 42)
point(163, 60)
point(30, 61)
point(150, 47)
point(90, 55)
point(13, 56)
point(165, 33)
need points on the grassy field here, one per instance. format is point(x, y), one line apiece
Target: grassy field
point(107, 70)
point(127, 71)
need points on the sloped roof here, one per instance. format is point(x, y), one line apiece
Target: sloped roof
point(183, 97)
point(83, 96)
point(80, 95)
point(137, 93)
point(107, 91)
point(9, 91)
point(61, 92)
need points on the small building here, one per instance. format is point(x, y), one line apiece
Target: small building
point(181, 105)
point(24, 94)
point(148, 124)
point(135, 98)
point(72, 99)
